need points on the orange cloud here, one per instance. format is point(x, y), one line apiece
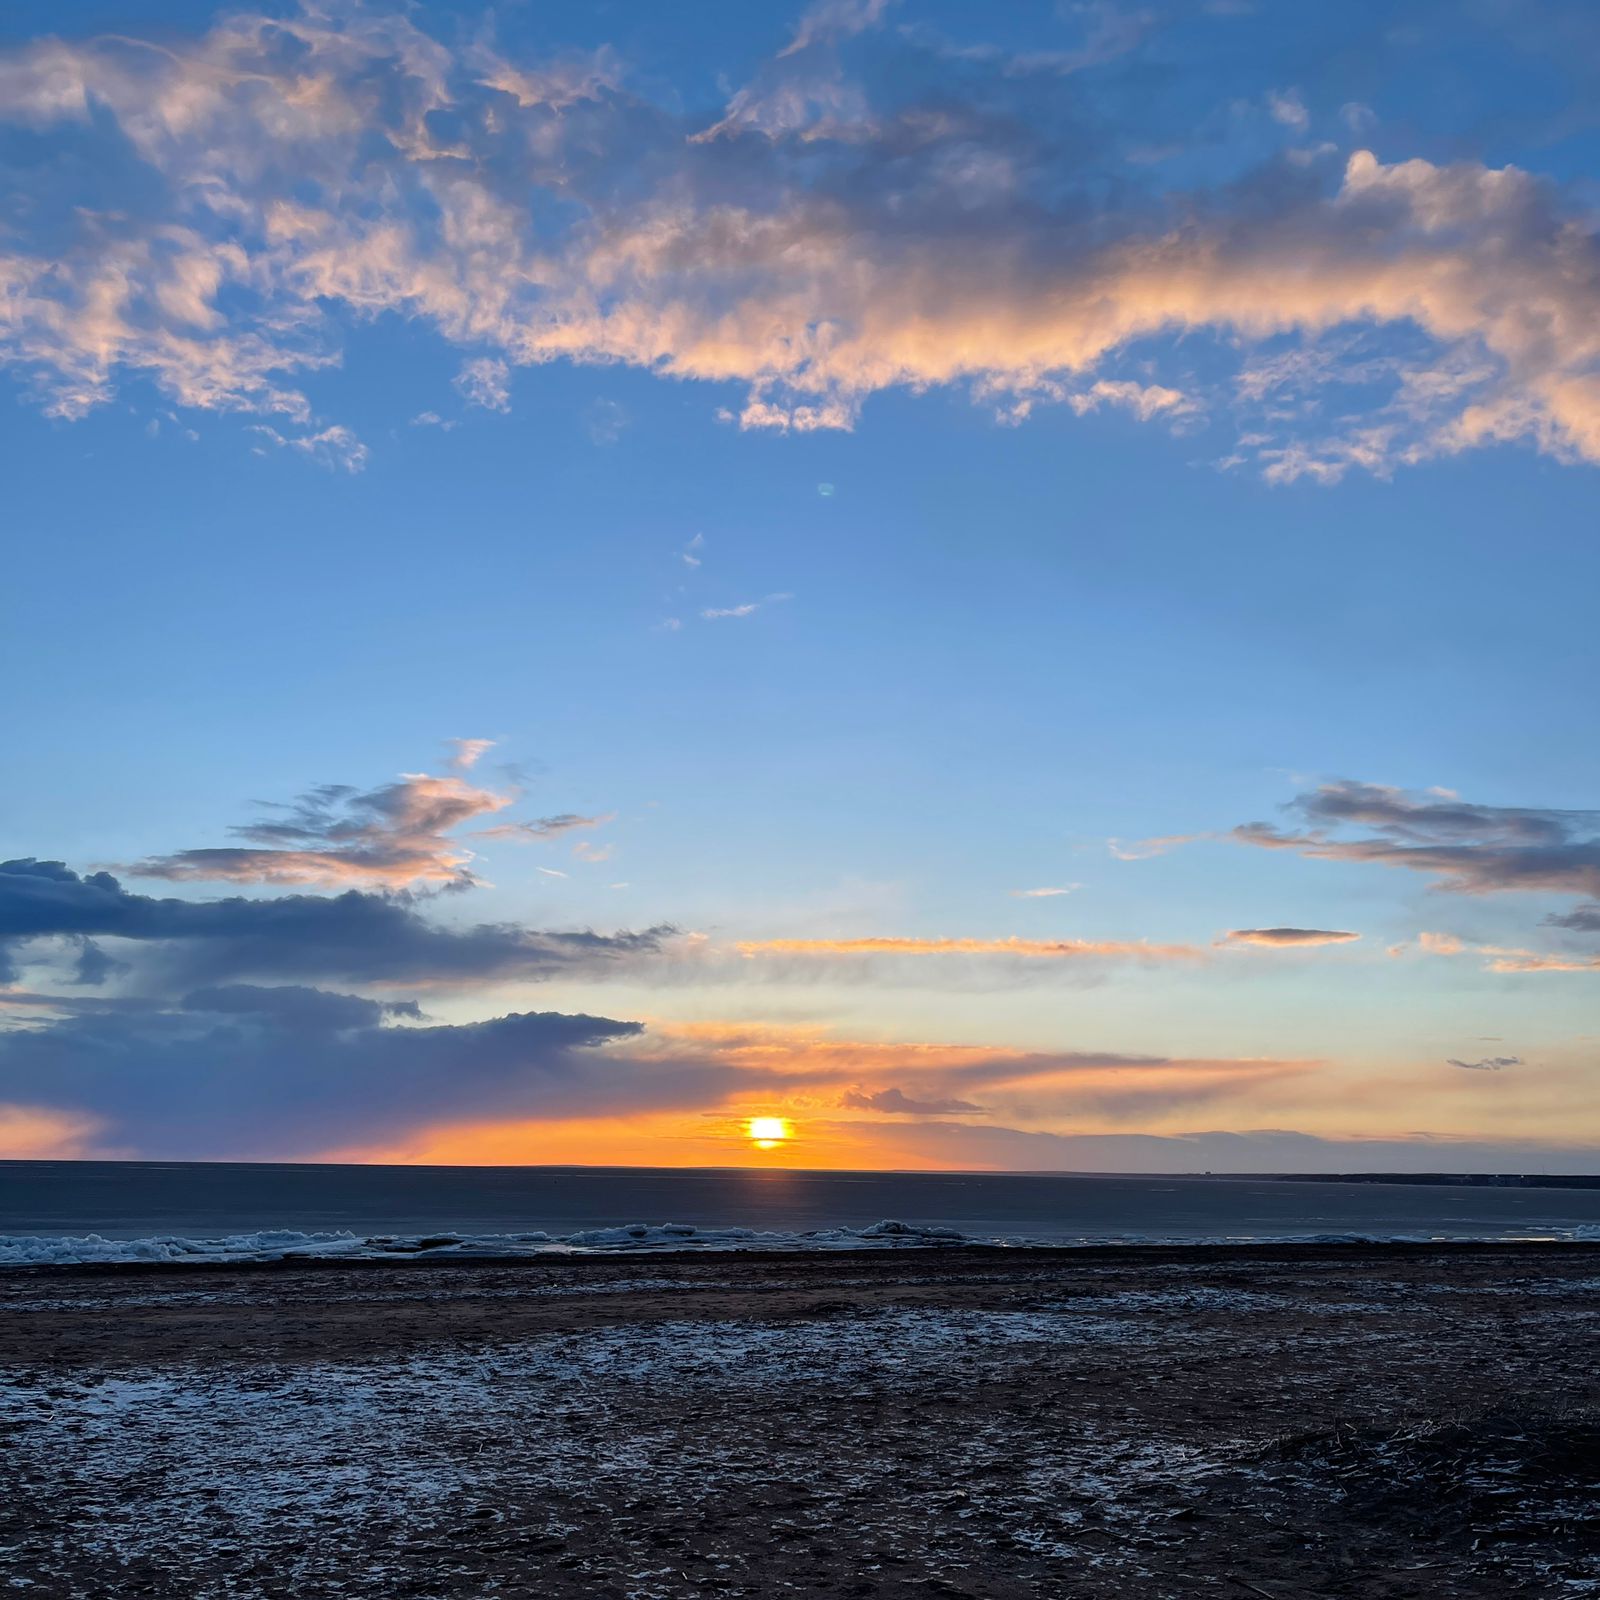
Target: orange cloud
point(1508, 958)
point(1032, 949)
point(843, 1099)
point(1503, 960)
point(43, 1133)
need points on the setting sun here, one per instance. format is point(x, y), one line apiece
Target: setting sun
point(767, 1133)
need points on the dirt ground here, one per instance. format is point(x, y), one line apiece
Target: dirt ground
point(1294, 1422)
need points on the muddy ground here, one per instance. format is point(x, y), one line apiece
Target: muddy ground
point(1294, 1422)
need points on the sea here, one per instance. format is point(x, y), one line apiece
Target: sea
point(66, 1212)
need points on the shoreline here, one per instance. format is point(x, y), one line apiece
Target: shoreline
point(421, 1260)
point(1305, 1422)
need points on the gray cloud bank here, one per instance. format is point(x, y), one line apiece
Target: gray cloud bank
point(246, 1071)
point(354, 937)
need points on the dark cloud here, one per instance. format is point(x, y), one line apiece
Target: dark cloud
point(94, 965)
point(1471, 849)
point(292, 1005)
point(354, 937)
point(243, 1070)
point(1288, 936)
point(1488, 1064)
point(900, 1103)
point(1581, 919)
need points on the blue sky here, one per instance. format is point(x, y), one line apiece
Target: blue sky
point(856, 465)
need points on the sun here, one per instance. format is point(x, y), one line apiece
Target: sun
point(767, 1133)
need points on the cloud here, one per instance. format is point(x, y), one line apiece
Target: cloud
point(1503, 959)
point(1470, 849)
point(747, 609)
point(1144, 849)
point(1507, 958)
point(1488, 1064)
point(828, 21)
point(95, 965)
point(468, 752)
point(605, 421)
point(1109, 1086)
point(333, 446)
point(258, 1071)
point(298, 1007)
point(546, 827)
point(835, 234)
point(1581, 919)
point(486, 382)
point(1288, 938)
point(353, 937)
point(1031, 949)
point(390, 837)
point(1289, 109)
point(1047, 893)
point(896, 1102)
point(44, 1133)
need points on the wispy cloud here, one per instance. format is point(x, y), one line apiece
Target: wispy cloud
point(747, 609)
point(486, 382)
point(1144, 849)
point(333, 446)
point(1288, 938)
point(605, 421)
point(896, 1102)
point(1487, 1064)
point(546, 827)
point(1030, 949)
point(468, 752)
point(1049, 892)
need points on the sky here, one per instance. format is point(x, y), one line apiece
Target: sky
point(1011, 589)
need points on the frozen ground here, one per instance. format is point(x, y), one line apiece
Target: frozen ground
point(1294, 1423)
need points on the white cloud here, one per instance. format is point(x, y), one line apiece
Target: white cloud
point(486, 382)
point(333, 446)
point(1288, 108)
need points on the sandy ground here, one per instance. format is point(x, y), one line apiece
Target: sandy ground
point(1293, 1422)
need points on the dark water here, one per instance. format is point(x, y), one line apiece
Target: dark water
point(133, 1200)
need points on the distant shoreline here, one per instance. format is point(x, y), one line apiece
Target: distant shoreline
point(1456, 1180)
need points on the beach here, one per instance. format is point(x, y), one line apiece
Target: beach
point(1281, 1420)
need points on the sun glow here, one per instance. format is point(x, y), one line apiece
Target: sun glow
point(767, 1133)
